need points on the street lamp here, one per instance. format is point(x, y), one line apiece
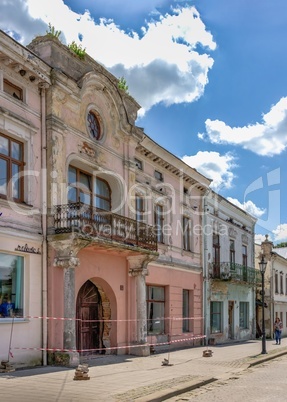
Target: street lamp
point(262, 267)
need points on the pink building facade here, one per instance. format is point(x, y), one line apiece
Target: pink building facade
point(23, 79)
point(124, 261)
point(105, 236)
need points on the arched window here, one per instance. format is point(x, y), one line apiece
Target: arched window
point(102, 195)
point(88, 190)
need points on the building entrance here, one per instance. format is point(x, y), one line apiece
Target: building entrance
point(89, 320)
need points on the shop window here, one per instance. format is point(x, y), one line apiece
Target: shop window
point(11, 285)
point(155, 310)
point(11, 168)
point(216, 317)
point(12, 90)
point(244, 315)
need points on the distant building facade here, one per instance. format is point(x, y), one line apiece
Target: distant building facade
point(275, 288)
point(229, 271)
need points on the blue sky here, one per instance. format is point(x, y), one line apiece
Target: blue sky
point(210, 76)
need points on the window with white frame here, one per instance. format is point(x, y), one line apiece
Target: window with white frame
point(11, 285)
point(281, 283)
point(155, 310)
point(244, 315)
point(216, 310)
point(276, 282)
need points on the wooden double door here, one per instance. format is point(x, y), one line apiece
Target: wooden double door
point(89, 320)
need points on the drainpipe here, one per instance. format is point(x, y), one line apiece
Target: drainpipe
point(44, 220)
point(204, 262)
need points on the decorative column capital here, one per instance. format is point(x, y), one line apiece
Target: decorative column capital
point(66, 261)
point(138, 264)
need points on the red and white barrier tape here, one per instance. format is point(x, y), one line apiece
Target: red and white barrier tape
point(196, 337)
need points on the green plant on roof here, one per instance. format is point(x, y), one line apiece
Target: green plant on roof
point(53, 32)
point(77, 49)
point(122, 84)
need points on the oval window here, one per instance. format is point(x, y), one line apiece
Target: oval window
point(94, 126)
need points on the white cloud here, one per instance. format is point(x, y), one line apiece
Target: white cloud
point(160, 64)
point(280, 233)
point(267, 138)
point(248, 206)
point(259, 238)
point(214, 166)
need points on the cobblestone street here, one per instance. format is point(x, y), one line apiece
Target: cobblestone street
point(264, 382)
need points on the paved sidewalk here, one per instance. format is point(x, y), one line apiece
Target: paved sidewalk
point(139, 379)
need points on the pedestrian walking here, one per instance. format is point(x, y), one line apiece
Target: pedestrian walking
point(278, 330)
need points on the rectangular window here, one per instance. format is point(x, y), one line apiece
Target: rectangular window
point(138, 164)
point(276, 282)
point(185, 311)
point(158, 222)
point(286, 284)
point(158, 175)
point(244, 255)
point(244, 315)
point(155, 310)
point(216, 317)
point(232, 254)
point(281, 317)
point(12, 90)
point(139, 208)
point(11, 168)
point(11, 285)
point(186, 235)
point(216, 256)
point(281, 283)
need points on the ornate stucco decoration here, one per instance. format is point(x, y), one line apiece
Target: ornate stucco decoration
point(244, 238)
point(87, 149)
point(69, 261)
point(232, 232)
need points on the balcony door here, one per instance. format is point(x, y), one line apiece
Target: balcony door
point(89, 320)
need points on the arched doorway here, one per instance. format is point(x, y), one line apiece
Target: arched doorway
point(89, 320)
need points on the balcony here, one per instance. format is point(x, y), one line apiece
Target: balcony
point(91, 222)
point(235, 272)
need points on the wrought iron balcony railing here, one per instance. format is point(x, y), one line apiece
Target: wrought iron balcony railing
point(89, 221)
point(235, 272)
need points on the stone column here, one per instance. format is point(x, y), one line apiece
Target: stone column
point(69, 263)
point(138, 270)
